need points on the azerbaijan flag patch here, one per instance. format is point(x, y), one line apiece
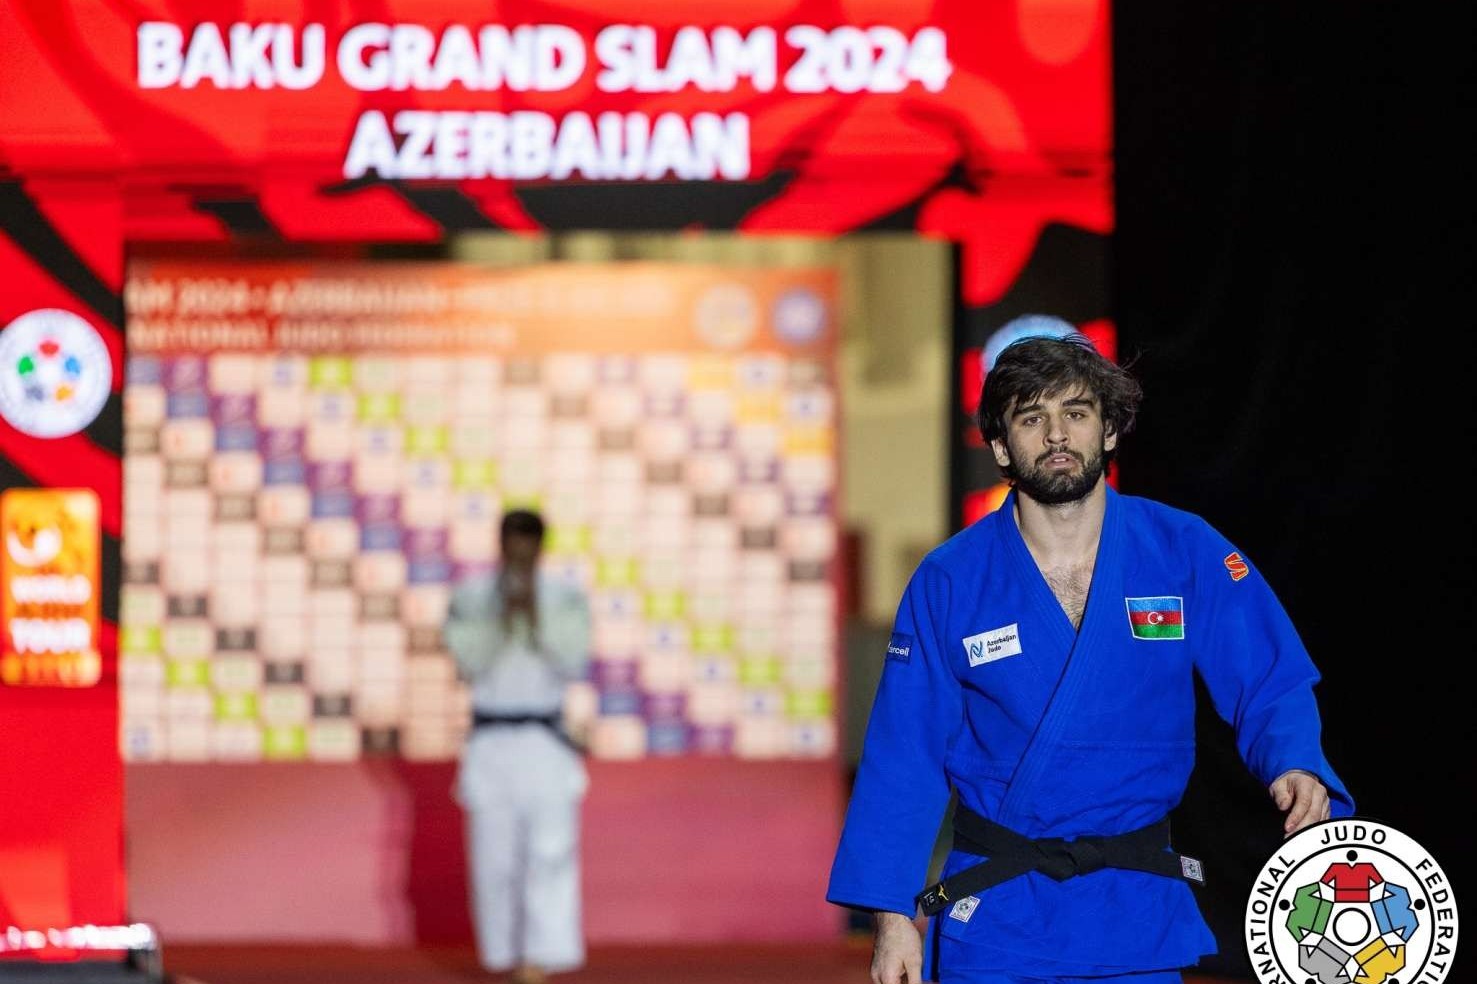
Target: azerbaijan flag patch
point(1156, 618)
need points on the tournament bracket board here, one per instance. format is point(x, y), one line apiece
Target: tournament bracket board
point(316, 452)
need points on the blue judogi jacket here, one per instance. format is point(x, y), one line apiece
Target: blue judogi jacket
point(1056, 732)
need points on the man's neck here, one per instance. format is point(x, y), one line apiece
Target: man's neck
point(1063, 534)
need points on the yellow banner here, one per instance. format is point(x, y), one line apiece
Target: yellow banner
point(50, 583)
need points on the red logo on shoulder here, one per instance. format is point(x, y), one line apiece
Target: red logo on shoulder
point(1236, 567)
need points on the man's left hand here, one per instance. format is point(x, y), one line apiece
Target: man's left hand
point(1302, 796)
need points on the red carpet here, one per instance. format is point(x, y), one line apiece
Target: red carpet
point(839, 963)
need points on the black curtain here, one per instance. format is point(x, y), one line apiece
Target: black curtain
point(1294, 270)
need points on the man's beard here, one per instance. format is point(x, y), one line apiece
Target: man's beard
point(1055, 488)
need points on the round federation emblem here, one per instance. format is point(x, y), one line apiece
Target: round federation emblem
point(55, 373)
point(727, 315)
point(799, 316)
point(1351, 900)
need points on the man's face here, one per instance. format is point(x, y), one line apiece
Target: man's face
point(1056, 445)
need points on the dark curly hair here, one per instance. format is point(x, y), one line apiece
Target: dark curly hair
point(1038, 366)
point(522, 522)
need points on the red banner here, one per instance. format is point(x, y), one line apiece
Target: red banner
point(730, 90)
point(61, 778)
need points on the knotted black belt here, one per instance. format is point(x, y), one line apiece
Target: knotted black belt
point(553, 721)
point(1010, 854)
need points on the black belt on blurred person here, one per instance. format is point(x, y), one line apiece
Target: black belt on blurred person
point(552, 721)
point(1010, 854)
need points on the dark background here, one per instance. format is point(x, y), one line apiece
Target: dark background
point(1293, 270)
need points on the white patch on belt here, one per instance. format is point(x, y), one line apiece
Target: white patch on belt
point(995, 644)
point(964, 908)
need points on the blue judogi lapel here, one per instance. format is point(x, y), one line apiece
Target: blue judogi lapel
point(1083, 652)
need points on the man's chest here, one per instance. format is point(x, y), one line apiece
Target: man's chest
point(1070, 584)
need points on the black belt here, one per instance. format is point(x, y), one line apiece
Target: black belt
point(553, 721)
point(1010, 854)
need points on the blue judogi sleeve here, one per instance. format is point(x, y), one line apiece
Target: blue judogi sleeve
point(901, 789)
point(1259, 675)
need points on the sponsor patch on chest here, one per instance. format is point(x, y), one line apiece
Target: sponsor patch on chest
point(900, 647)
point(995, 644)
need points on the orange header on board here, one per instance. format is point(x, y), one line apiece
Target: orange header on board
point(451, 307)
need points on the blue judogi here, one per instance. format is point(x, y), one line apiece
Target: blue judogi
point(1056, 732)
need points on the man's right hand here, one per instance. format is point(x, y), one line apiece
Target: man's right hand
point(897, 950)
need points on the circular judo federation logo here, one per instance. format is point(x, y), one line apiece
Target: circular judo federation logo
point(1351, 902)
point(727, 315)
point(799, 316)
point(55, 373)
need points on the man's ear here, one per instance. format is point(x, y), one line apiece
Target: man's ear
point(1110, 439)
point(1002, 452)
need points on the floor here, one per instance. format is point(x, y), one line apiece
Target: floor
point(844, 962)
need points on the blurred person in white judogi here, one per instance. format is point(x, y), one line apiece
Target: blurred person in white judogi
point(519, 637)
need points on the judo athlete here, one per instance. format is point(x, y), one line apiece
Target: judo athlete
point(519, 637)
point(1042, 665)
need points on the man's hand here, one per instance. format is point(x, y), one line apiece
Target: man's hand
point(897, 950)
point(1302, 796)
point(518, 597)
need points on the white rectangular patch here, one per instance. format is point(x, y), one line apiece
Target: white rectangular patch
point(964, 908)
point(995, 644)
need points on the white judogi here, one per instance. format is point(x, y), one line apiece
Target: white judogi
point(520, 785)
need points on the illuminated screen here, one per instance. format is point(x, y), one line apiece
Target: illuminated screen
point(315, 453)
